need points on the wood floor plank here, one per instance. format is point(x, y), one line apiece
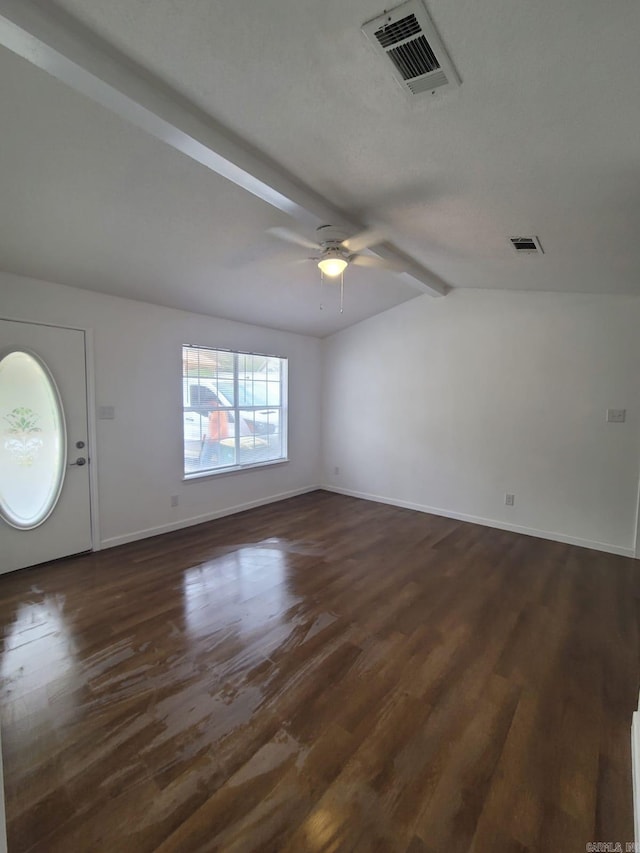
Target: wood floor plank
point(323, 674)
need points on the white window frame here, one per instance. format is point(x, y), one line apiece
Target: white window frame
point(237, 409)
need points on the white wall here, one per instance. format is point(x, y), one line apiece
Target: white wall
point(447, 404)
point(440, 404)
point(137, 369)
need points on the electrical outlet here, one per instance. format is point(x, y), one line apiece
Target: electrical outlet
point(175, 500)
point(616, 416)
point(336, 470)
point(509, 499)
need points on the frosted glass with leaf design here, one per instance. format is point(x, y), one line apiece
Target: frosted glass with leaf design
point(33, 442)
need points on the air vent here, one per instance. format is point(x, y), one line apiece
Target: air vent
point(407, 36)
point(526, 245)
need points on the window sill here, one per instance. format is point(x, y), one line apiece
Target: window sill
point(232, 469)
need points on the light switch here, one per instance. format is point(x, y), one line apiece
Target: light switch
point(106, 413)
point(616, 416)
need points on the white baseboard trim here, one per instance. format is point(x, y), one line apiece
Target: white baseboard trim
point(3, 821)
point(200, 519)
point(488, 522)
point(635, 772)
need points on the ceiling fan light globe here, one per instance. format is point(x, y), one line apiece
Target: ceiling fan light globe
point(332, 267)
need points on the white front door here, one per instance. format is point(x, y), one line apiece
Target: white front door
point(44, 458)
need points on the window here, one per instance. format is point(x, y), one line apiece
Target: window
point(234, 409)
point(32, 441)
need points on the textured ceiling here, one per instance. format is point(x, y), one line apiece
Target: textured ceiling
point(541, 138)
point(90, 201)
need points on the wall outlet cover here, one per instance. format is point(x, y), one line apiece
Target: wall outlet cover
point(616, 416)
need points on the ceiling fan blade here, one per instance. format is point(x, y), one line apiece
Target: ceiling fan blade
point(364, 240)
point(374, 262)
point(291, 237)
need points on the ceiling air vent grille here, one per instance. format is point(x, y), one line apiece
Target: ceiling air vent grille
point(526, 245)
point(409, 39)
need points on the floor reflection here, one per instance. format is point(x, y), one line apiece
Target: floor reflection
point(245, 591)
point(39, 660)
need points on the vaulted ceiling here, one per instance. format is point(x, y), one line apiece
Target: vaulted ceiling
point(541, 138)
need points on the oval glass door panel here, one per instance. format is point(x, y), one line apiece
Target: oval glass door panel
point(33, 441)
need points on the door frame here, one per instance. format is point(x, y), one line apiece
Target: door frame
point(92, 432)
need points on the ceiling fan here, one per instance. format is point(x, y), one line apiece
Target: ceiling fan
point(335, 251)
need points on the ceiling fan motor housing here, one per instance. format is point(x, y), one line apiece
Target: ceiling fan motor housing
point(335, 251)
point(328, 234)
point(330, 238)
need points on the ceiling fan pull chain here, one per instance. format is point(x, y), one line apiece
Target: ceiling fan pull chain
point(341, 291)
point(321, 289)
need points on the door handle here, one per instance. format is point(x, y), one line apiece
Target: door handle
point(80, 461)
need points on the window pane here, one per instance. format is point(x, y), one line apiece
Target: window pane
point(224, 362)
point(273, 393)
point(253, 450)
point(274, 440)
point(32, 441)
point(255, 363)
point(272, 367)
point(244, 392)
point(259, 393)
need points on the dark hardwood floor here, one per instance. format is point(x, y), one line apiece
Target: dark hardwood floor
point(322, 674)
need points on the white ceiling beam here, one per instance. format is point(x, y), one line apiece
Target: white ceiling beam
point(58, 44)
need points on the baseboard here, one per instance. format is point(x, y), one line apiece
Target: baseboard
point(635, 773)
point(200, 519)
point(3, 821)
point(489, 522)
